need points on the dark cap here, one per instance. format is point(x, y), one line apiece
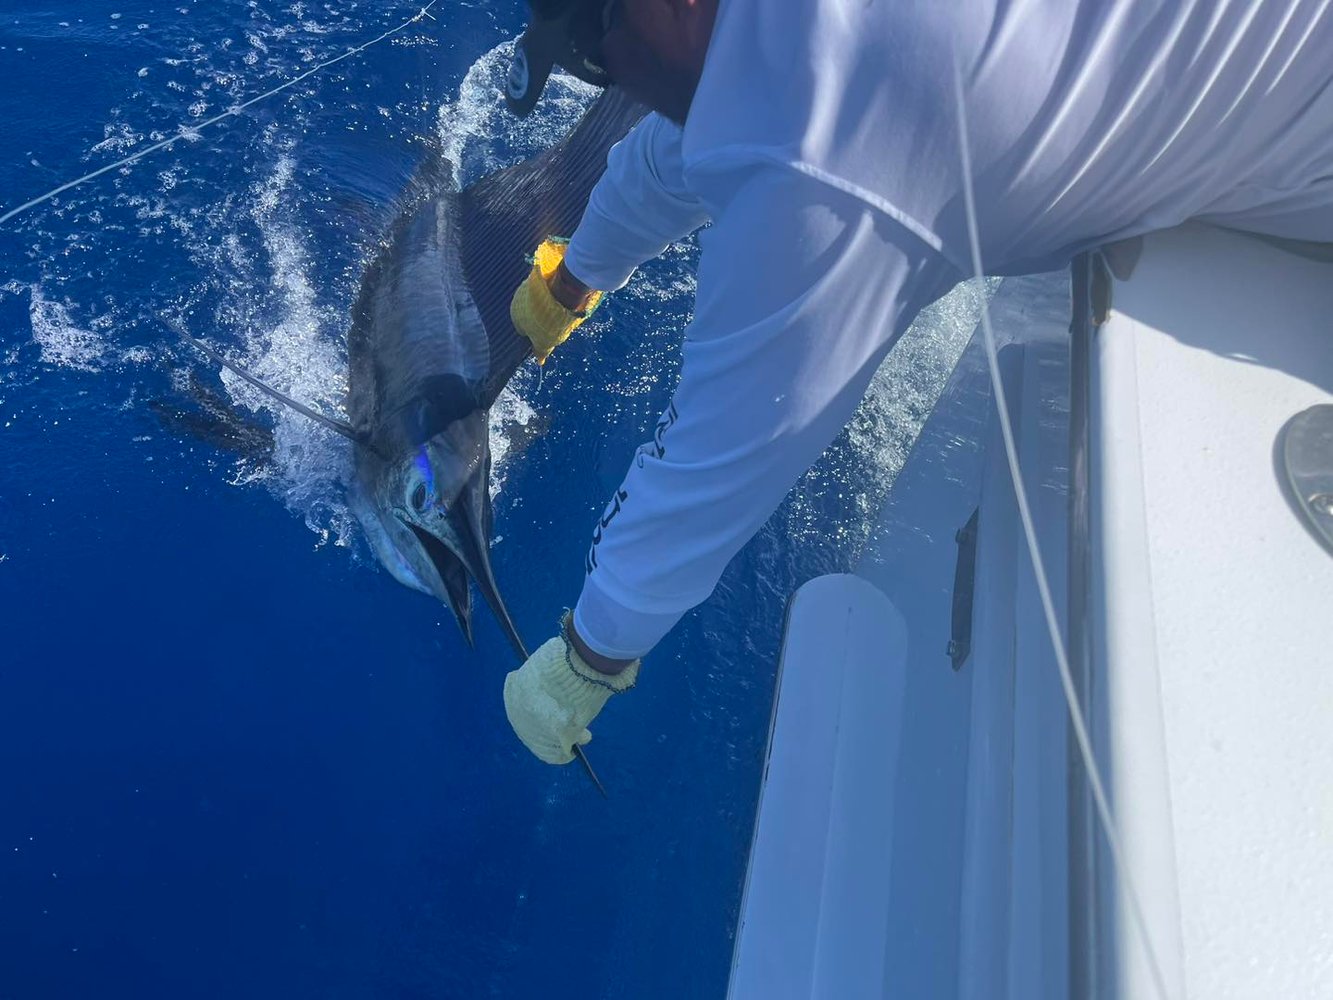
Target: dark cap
point(567, 33)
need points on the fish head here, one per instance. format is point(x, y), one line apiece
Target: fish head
point(435, 508)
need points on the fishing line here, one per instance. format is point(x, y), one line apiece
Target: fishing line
point(192, 131)
point(1030, 534)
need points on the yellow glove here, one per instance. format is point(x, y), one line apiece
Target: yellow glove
point(534, 310)
point(555, 694)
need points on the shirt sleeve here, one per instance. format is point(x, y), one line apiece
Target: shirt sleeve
point(802, 290)
point(637, 209)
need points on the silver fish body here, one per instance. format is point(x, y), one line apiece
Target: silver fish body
point(431, 346)
point(419, 357)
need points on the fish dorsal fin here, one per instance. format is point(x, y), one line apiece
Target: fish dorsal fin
point(505, 216)
point(334, 424)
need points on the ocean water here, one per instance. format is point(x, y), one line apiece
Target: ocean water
point(236, 758)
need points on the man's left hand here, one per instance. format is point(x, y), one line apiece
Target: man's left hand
point(551, 303)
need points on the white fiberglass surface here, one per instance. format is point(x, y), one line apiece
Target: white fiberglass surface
point(1215, 603)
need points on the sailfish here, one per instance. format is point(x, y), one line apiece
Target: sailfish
point(430, 347)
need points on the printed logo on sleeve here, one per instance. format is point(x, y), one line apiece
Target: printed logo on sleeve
point(612, 509)
point(656, 448)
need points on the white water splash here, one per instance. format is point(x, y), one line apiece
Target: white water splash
point(469, 125)
point(864, 463)
point(511, 418)
point(66, 339)
point(302, 354)
point(62, 341)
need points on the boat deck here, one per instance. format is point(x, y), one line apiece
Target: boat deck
point(1198, 605)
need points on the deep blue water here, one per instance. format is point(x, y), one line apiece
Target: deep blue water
point(236, 758)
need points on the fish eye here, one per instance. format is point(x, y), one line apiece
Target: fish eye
point(419, 498)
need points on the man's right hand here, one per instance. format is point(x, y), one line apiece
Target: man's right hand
point(551, 302)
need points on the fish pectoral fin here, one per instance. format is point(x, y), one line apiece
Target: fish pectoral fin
point(215, 423)
point(214, 420)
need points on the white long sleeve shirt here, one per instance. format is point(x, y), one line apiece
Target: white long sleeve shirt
point(823, 145)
